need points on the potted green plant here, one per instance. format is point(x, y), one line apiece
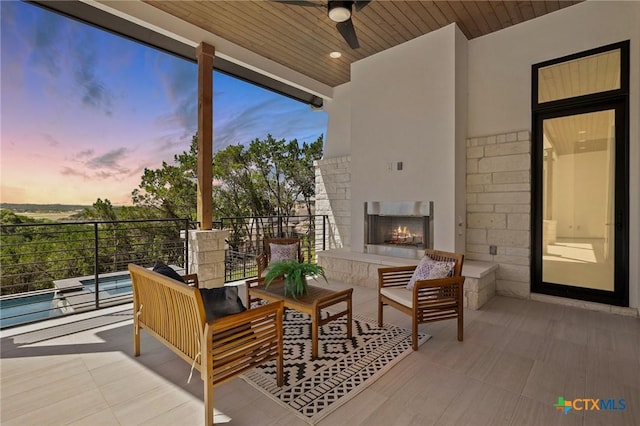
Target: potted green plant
point(295, 275)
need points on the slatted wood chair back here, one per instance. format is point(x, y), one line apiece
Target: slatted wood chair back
point(171, 311)
point(444, 256)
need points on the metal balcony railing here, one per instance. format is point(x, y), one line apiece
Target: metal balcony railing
point(247, 236)
point(53, 269)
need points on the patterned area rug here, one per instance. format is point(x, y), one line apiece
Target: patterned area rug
point(344, 368)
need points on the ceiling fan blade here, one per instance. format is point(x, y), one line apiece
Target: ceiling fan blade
point(348, 32)
point(360, 4)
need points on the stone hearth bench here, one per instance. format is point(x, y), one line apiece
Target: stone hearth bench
point(173, 312)
point(362, 269)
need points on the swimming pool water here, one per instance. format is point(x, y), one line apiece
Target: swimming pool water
point(28, 308)
point(110, 286)
point(37, 307)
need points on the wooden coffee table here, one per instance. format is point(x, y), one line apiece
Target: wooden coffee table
point(312, 303)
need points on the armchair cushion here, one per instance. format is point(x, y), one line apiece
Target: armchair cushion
point(398, 294)
point(429, 269)
point(280, 252)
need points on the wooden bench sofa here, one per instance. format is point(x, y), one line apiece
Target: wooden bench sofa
point(174, 313)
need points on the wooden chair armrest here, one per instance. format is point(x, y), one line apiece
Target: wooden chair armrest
point(249, 284)
point(396, 276)
point(439, 291)
point(233, 321)
point(237, 343)
point(191, 280)
point(252, 282)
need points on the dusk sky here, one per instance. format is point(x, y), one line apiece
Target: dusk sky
point(84, 112)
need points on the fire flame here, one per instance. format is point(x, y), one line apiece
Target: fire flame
point(403, 232)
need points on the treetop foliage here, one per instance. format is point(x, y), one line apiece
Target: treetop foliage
point(267, 177)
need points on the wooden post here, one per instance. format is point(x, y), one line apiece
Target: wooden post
point(204, 54)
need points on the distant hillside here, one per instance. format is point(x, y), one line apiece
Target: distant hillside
point(42, 208)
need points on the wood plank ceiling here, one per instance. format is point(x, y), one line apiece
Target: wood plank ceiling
point(301, 38)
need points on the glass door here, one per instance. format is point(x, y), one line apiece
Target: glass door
point(580, 169)
point(578, 201)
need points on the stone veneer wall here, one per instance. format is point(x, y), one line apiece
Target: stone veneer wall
point(206, 256)
point(333, 198)
point(499, 207)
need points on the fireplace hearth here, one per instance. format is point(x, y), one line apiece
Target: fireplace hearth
point(398, 228)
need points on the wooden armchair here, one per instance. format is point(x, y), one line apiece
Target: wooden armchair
point(264, 259)
point(429, 300)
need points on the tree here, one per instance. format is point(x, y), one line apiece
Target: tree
point(171, 190)
point(101, 210)
point(266, 178)
point(269, 157)
point(7, 217)
point(286, 170)
point(304, 174)
point(236, 191)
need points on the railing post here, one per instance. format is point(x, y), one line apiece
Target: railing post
point(311, 229)
point(324, 232)
point(95, 264)
point(186, 246)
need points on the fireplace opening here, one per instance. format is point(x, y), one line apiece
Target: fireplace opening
point(402, 231)
point(396, 228)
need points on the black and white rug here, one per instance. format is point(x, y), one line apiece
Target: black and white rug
point(344, 367)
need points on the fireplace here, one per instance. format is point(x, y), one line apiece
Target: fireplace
point(398, 228)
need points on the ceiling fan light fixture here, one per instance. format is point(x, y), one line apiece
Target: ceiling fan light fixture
point(339, 11)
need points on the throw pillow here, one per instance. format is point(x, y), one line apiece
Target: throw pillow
point(167, 271)
point(429, 269)
point(280, 252)
point(220, 302)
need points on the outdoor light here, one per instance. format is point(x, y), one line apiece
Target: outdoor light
point(335, 55)
point(339, 11)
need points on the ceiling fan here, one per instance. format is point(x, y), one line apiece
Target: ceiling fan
point(339, 12)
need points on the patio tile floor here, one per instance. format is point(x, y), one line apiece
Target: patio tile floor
point(518, 357)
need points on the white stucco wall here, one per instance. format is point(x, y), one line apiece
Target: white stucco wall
point(339, 124)
point(404, 108)
point(580, 195)
point(404, 103)
point(500, 81)
point(460, 157)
